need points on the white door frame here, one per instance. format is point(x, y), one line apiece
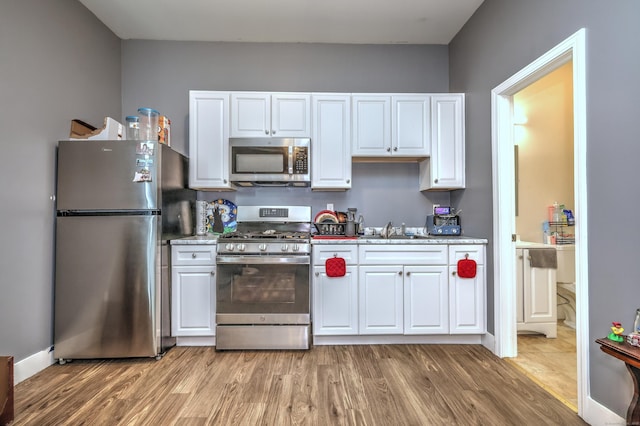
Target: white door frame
point(502, 142)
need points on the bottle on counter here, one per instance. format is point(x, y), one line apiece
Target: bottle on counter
point(636, 323)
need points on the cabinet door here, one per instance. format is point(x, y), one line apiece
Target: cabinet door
point(467, 301)
point(335, 302)
point(446, 167)
point(193, 301)
point(381, 299)
point(209, 140)
point(291, 115)
point(331, 142)
point(540, 297)
point(411, 131)
point(426, 300)
point(371, 125)
point(250, 115)
point(519, 286)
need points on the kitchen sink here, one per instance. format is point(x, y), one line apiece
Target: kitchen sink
point(397, 237)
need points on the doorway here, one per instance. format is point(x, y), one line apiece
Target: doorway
point(572, 49)
point(543, 138)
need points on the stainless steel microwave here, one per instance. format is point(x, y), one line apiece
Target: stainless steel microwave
point(270, 161)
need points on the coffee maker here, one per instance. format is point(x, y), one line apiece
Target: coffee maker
point(443, 221)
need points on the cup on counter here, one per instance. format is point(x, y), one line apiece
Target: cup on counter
point(148, 124)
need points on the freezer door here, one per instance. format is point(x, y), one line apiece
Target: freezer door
point(106, 300)
point(106, 175)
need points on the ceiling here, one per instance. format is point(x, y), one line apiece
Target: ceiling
point(287, 21)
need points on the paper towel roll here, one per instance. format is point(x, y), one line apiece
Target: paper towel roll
point(201, 217)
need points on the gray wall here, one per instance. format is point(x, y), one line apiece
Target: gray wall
point(501, 38)
point(160, 74)
point(57, 62)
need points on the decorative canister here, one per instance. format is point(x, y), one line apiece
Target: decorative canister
point(201, 217)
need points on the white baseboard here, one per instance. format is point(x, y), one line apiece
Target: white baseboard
point(597, 414)
point(489, 342)
point(31, 365)
point(196, 341)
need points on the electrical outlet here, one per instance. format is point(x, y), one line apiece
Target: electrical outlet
point(330, 206)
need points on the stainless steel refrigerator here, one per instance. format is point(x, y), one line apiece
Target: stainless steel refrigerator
point(118, 205)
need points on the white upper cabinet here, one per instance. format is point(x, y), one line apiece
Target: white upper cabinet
point(264, 115)
point(391, 125)
point(331, 142)
point(209, 140)
point(371, 125)
point(410, 125)
point(445, 169)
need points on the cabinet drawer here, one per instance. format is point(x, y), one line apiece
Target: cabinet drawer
point(409, 254)
point(193, 255)
point(474, 252)
point(323, 252)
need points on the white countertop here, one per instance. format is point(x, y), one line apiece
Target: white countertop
point(213, 239)
point(196, 240)
point(395, 241)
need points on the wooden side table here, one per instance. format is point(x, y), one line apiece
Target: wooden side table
point(631, 357)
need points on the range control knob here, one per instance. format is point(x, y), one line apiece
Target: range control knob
point(284, 247)
point(262, 247)
point(241, 247)
point(296, 247)
point(229, 247)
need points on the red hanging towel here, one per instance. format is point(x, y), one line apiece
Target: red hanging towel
point(467, 267)
point(335, 267)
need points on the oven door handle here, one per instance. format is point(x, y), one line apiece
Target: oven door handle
point(262, 260)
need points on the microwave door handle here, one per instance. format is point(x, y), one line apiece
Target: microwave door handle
point(290, 160)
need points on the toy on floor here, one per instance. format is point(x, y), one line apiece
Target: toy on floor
point(616, 332)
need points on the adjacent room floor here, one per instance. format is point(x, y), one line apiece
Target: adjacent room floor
point(552, 363)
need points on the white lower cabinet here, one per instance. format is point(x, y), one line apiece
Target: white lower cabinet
point(403, 289)
point(399, 291)
point(536, 297)
point(193, 298)
point(426, 300)
point(381, 299)
point(335, 299)
point(467, 296)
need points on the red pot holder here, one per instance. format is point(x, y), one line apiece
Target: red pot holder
point(335, 267)
point(467, 267)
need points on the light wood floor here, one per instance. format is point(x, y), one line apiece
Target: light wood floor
point(328, 385)
point(552, 363)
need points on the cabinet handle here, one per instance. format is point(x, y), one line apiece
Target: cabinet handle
point(213, 272)
point(453, 273)
point(388, 149)
point(273, 132)
point(528, 257)
point(521, 257)
point(400, 273)
point(435, 181)
point(317, 274)
point(193, 255)
point(348, 180)
point(266, 132)
point(225, 181)
point(408, 273)
point(395, 149)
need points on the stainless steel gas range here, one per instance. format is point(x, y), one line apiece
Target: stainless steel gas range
point(262, 283)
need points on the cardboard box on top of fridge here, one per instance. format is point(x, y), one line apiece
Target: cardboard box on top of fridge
point(112, 130)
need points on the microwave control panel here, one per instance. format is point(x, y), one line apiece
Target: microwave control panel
point(300, 160)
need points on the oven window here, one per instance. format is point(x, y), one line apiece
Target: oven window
point(260, 160)
point(262, 288)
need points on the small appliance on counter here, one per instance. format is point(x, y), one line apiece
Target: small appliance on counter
point(443, 221)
